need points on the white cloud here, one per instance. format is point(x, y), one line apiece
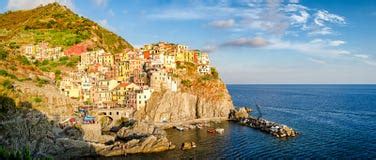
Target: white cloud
point(321, 21)
point(333, 43)
point(371, 63)
point(271, 16)
point(315, 60)
point(29, 4)
point(294, 1)
point(302, 18)
point(177, 15)
point(209, 48)
point(321, 31)
point(244, 42)
point(336, 43)
point(362, 56)
point(317, 47)
point(323, 16)
point(223, 23)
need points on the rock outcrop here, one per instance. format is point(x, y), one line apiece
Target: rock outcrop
point(139, 130)
point(240, 113)
point(188, 145)
point(148, 144)
point(28, 128)
point(180, 106)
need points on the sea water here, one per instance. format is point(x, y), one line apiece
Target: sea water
point(335, 121)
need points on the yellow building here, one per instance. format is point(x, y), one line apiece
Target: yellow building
point(106, 59)
point(123, 71)
point(119, 93)
point(179, 57)
point(189, 56)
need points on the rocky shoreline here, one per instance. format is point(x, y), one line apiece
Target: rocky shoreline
point(141, 137)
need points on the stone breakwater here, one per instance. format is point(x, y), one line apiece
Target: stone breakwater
point(273, 128)
point(278, 130)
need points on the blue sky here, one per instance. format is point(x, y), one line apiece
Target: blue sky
point(250, 41)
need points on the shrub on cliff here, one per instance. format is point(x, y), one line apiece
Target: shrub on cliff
point(23, 60)
point(37, 99)
point(214, 73)
point(3, 54)
point(7, 84)
point(15, 154)
point(186, 83)
point(5, 73)
point(41, 82)
point(6, 104)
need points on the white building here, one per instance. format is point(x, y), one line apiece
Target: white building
point(169, 61)
point(143, 97)
point(204, 69)
point(157, 60)
point(160, 79)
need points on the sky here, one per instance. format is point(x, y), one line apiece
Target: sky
point(249, 41)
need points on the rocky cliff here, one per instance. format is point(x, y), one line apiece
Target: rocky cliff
point(199, 97)
point(181, 106)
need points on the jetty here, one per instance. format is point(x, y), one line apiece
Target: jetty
point(278, 130)
point(273, 128)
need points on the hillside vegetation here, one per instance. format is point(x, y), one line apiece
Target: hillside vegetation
point(58, 26)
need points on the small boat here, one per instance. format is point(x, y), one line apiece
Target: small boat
point(179, 128)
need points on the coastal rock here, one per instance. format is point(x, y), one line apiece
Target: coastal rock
point(148, 145)
point(139, 130)
point(240, 113)
point(188, 145)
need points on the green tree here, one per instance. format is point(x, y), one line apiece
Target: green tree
point(3, 54)
point(214, 73)
point(7, 84)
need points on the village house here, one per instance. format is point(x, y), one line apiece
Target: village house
point(159, 80)
point(157, 60)
point(106, 59)
point(119, 93)
point(41, 52)
point(108, 84)
point(90, 58)
point(169, 62)
point(143, 97)
point(204, 60)
point(131, 95)
point(204, 69)
point(70, 89)
point(123, 70)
